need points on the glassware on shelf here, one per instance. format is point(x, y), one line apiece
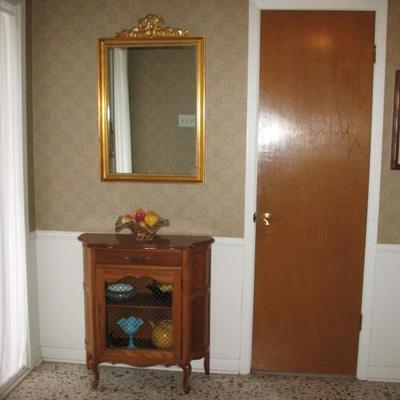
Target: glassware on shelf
point(130, 326)
point(162, 334)
point(161, 292)
point(120, 292)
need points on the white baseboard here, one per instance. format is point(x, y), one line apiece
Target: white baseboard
point(386, 374)
point(219, 366)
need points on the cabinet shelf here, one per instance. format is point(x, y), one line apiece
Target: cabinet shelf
point(131, 305)
point(141, 343)
point(142, 300)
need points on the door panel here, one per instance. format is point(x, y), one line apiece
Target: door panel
point(316, 72)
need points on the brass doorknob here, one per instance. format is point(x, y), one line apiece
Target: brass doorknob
point(265, 219)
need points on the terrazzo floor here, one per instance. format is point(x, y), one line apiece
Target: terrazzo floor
point(71, 381)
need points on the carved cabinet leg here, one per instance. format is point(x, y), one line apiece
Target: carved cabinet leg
point(187, 369)
point(94, 366)
point(207, 363)
point(88, 360)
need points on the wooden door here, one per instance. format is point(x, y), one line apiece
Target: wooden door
point(316, 72)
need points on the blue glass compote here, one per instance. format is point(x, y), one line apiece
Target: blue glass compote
point(130, 326)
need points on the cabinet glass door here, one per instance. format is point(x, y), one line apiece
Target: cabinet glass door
point(140, 309)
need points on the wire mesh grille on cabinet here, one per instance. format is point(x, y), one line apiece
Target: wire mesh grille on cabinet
point(139, 314)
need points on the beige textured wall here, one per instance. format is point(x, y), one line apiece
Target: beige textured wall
point(389, 217)
point(68, 192)
point(163, 86)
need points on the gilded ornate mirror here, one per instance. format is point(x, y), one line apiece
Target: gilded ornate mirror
point(151, 104)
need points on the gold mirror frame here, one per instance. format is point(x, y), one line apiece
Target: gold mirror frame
point(150, 32)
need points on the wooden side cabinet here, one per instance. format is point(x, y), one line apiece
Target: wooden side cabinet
point(147, 303)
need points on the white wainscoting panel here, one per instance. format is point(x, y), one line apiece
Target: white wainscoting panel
point(34, 352)
point(61, 311)
point(60, 279)
point(61, 317)
point(384, 355)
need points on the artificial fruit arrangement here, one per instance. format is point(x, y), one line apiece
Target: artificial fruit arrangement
point(143, 224)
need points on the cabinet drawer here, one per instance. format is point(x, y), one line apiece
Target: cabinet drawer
point(137, 257)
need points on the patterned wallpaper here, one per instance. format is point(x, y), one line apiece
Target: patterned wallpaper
point(68, 192)
point(389, 216)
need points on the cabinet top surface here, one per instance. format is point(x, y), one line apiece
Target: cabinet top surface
point(126, 241)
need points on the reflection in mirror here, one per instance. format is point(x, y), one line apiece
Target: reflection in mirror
point(152, 110)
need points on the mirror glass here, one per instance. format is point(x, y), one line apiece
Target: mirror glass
point(152, 123)
point(151, 110)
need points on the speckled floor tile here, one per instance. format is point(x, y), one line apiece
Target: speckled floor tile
point(71, 381)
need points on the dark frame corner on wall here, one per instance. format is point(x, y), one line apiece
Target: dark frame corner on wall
point(395, 157)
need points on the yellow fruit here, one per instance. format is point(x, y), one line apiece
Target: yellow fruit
point(151, 218)
point(166, 288)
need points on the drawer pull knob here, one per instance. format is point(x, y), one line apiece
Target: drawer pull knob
point(138, 259)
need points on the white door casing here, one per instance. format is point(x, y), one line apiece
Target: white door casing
point(255, 7)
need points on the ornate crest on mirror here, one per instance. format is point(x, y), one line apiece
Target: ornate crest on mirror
point(151, 104)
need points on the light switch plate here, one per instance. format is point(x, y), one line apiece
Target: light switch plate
point(186, 120)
